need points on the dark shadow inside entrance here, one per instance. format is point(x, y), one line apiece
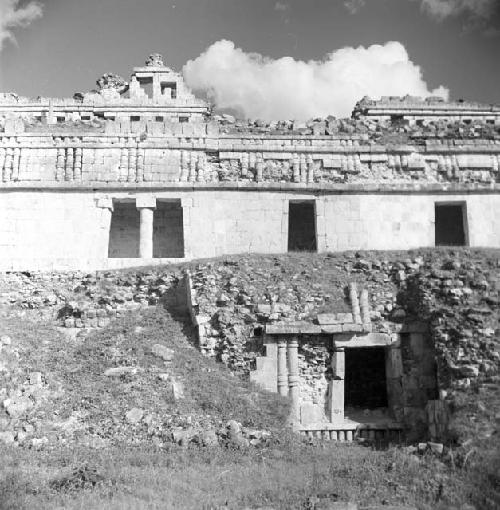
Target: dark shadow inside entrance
point(124, 231)
point(450, 225)
point(301, 226)
point(365, 378)
point(168, 232)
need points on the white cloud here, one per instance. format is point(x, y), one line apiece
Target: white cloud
point(284, 88)
point(13, 16)
point(353, 6)
point(441, 9)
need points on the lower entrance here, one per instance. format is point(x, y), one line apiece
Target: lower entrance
point(450, 224)
point(365, 378)
point(301, 226)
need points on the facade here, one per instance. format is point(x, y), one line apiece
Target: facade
point(142, 173)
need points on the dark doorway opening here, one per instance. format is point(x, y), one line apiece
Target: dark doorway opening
point(168, 232)
point(301, 226)
point(146, 85)
point(450, 225)
point(365, 378)
point(169, 89)
point(124, 231)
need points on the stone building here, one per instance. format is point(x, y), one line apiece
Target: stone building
point(142, 172)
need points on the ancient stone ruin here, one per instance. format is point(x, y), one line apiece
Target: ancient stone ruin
point(143, 173)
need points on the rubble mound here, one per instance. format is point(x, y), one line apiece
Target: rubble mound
point(138, 380)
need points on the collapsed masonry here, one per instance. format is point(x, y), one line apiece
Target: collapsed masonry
point(141, 172)
point(346, 380)
point(364, 392)
point(434, 339)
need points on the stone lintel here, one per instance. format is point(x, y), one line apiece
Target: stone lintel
point(292, 328)
point(369, 340)
point(145, 201)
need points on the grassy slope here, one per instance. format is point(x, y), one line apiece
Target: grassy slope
point(283, 476)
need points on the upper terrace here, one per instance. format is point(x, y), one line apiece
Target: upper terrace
point(418, 110)
point(154, 92)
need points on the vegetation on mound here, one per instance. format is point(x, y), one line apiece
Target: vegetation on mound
point(87, 405)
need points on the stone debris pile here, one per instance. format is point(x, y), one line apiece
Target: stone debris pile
point(364, 130)
point(22, 396)
point(234, 299)
point(81, 300)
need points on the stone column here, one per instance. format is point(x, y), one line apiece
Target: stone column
point(353, 295)
point(394, 377)
point(282, 369)
point(365, 310)
point(336, 393)
point(146, 206)
point(293, 381)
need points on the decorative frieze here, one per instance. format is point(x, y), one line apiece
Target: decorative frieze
point(128, 159)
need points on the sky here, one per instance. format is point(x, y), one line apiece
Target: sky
point(261, 58)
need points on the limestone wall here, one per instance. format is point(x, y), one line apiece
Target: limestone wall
point(71, 229)
point(57, 191)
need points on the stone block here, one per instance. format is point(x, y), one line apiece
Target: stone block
point(327, 318)
point(312, 413)
point(345, 317)
point(266, 374)
point(336, 400)
point(333, 328)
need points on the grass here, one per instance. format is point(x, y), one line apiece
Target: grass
point(285, 476)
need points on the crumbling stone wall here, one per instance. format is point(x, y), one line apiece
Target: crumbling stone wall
point(441, 305)
point(314, 370)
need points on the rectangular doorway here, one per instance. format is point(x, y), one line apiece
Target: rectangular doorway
point(124, 231)
point(302, 226)
point(365, 378)
point(168, 231)
point(450, 224)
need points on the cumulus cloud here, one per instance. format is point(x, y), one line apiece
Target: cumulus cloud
point(12, 16)
point(284, 88)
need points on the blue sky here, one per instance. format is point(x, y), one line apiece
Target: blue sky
point(63, 46)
